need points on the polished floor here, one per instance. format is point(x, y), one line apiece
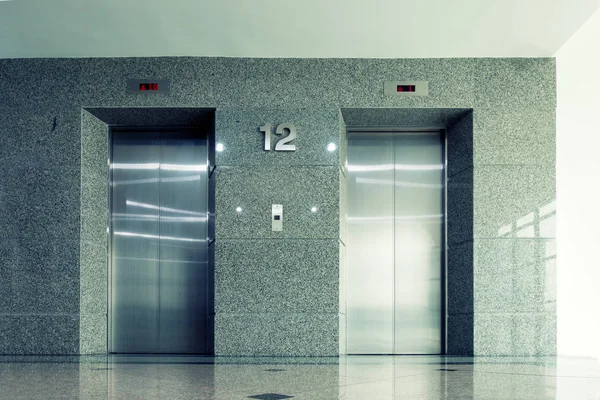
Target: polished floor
point(352, 377)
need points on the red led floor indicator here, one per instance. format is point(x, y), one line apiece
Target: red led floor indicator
point(148, 86)
point(406, 88)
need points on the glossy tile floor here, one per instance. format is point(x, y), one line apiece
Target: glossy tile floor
point(352, 377)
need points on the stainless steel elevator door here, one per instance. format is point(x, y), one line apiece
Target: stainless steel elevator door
point(395, 242)
point(160, 277)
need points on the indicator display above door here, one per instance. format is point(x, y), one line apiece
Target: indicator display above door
point(149, 86)
point(146, 86)
point(405, 88)
point(420, 88)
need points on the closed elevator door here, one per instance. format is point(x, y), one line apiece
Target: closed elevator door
point(160, 278)
point(395, 284)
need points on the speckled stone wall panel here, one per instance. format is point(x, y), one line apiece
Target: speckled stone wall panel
point(298, 189)
point(94, 143)
point(94, 278)
point(515, 83)
point(514, 274)
point(44, 277)
point(514, 207)
point(39, 334)
point(94, 179)
point(40, 84)
point(402, 117)
point(39, 277)
point(238, 130)
point(346, 82)
point(93, 251)
point(39, 202)
point(154, 117)
point(460, 297)
point(514, 267)
point(460, 278)
point(94, 206)
point(450, 82)
point(507, 197)
point(276, 276)
point(8, 260)
point(190, 82)
point(512, 101)
point(517, 334)
point(39, 163)
point(40, 184)
point(460, 334)
point(459, 140)
point(93, 334)
point(32, 137)
point(525, 136)
point(459, 199)
point(255, 82)
point(270, 334)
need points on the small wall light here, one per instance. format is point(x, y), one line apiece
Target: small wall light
point(220, 147)
point(331, 147)
point(238, 209)
point(314, 209)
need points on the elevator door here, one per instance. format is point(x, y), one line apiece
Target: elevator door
point(395, 242)
point(160, 277)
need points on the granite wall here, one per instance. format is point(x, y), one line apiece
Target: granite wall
point(40, 138)
point(277, 293)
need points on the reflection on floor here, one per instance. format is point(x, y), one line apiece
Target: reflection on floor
point(352, 377)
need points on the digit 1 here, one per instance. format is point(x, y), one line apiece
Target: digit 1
point(266, 129)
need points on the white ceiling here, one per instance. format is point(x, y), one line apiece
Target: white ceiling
point(285, 28)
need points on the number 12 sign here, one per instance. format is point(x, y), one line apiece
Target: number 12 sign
point(282, 144)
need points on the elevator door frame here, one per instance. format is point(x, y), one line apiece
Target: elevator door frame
point(444, 255)
point(201, 133)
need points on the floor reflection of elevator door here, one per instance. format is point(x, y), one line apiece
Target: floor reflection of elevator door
point(395, 242)
point(160, 280)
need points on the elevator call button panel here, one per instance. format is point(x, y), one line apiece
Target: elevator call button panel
point(277, 218)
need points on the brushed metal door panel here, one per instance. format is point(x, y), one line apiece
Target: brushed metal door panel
point(184, 271)
point(395, 242)
point(418, 242)
point(160, 278)
point(135, 243)
point(370, 279)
